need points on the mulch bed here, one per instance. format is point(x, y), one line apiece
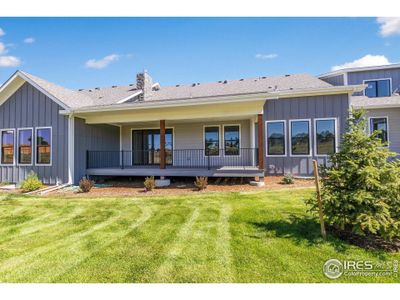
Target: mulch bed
point(369, 242)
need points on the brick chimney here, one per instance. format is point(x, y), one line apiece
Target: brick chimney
point(144, 82)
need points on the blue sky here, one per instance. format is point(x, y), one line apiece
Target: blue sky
point(91, 52)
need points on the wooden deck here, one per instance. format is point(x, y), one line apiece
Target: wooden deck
point(176, 172)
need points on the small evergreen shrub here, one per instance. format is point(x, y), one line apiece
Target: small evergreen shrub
point(31, 183)
point(201, 183)
point(85, 185)
point(361, 188)
point(149, 183)
point(288, 179)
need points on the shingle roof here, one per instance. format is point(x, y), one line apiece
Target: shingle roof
point(110, 95)
point(369, 103)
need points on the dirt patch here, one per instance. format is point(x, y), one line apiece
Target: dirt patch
point(369, 242)
point(125, 187)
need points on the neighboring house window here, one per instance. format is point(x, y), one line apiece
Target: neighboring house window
point(380, 124)
point(25, 146)
point(7, 147)
point(325, 136)
point(300, 137)
point(43, 146)
point(232, 140)
point(211, 140)
point(377, 88)
point(276, 138)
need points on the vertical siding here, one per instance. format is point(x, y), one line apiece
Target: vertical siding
point(303, 108)
point(334, 80)
point(358, 77)
point(100, 137)
point(28, 107)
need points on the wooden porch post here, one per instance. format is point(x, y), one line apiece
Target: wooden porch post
point(261, 141)
point(162, 144)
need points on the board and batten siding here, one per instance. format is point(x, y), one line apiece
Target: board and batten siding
point(393, 114)
point(359, 77)
point(335, 106)
point(92, 137)
point(28, 107)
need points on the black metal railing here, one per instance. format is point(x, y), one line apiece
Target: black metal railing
point(178, 158)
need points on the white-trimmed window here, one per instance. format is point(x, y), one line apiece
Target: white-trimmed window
point(43, 146)
point(276, 138)
point(300, 141)
point(380, 124)
point(231, 140)
point(25, 151)
point(325, 136)
point(7, 146)
point(211, 140)
point(378, 87)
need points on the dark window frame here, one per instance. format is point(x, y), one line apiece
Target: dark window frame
point(37, 146)
point(1, 145)
point(386, 123)
point(304, 154)
point(376, 81)
point(268, 153)
point(19, 146)
point(335, 127)
point(205, 142)
point(225, 140)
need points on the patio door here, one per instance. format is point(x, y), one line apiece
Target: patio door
point(146, 146)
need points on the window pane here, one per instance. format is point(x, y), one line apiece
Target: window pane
point(325, 130)
point(7, 147)
point(371, 90)
point(211, 136)
point(232, 140)
point(43, 146)
point(25, 146)
point(300, 132)
point(381, 125)
point(276, 138)
point(384, 88)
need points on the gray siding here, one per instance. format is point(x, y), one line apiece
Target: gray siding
point(358, 77)
point(303, 108)
point(28, 107)
point(393, 115)
point(335, 80)
point(92, 137)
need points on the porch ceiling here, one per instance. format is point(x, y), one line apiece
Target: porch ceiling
point(226, 111)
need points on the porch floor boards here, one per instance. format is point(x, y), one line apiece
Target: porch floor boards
point(245, 171)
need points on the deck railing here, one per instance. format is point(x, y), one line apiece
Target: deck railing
point(178, 158)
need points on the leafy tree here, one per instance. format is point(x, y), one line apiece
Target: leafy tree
point(361, 187)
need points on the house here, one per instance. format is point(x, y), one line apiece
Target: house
point(231, 128)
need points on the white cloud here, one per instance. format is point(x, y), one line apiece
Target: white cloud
point(2, 32)
point(29, 40)
point(9, 61)
point(3, 49)
point(266, 56)
point(103, 62)
point(388, 26)
point(365, 61)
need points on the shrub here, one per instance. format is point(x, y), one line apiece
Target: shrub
point(361, 189)
point(31, 183)
point(149, 184)
point(201, 183)
point(288, 179)
point(85, 185)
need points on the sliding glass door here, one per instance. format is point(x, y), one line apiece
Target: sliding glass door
point(146, 146)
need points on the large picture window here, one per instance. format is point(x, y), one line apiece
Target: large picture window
point(325, 136)
point(7, 147)
point(232, 139)
point(300, 137)
point(380, 124)
point(377, 88)
point(276, 144)
point(43, 146)
point(25, 146)
point(211, 140)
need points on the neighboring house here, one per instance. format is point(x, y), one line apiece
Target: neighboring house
point(242, 128)
point(381, 97)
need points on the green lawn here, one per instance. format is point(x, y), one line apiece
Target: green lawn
point(263, 236)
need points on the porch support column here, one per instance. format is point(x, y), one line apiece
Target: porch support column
point(252, 141)
point(261, 141)
point(162, 144)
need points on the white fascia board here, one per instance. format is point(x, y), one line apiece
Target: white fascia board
point(360, 69)
point(130, 97)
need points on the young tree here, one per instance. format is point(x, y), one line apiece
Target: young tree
point(361, 187)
